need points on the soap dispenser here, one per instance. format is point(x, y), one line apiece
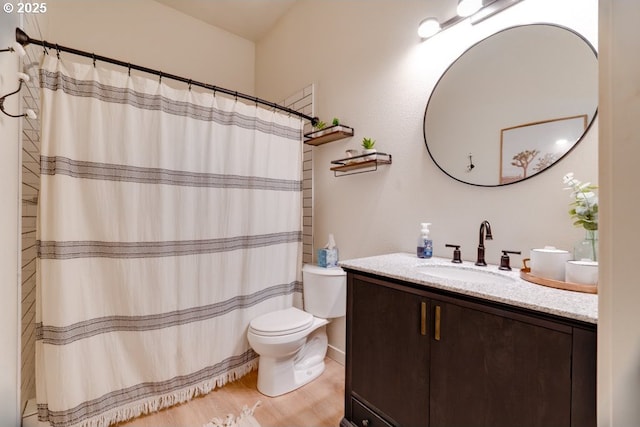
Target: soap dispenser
point(425, 245)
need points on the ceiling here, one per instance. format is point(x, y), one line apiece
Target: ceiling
point(249, 19)
point(252, 19)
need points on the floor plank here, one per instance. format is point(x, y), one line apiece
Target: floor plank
point(317, 404)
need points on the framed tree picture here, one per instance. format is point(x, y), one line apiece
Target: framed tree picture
point(528, 149)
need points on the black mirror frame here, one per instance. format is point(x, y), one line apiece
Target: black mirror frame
point(424, 127)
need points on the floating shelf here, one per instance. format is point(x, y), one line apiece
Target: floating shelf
point(328, 134)
point(361, 164)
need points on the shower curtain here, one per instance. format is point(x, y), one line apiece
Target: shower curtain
point(167, 220)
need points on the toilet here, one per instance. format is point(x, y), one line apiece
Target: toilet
point(292, 343)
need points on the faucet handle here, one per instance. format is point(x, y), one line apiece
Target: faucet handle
point(504, 259)
point(456, 253)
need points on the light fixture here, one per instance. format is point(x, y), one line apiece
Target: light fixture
point(468, 7)
point(428, 27)
point(477, 10)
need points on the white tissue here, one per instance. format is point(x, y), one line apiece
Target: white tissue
point(328, 256)
point(331, 244)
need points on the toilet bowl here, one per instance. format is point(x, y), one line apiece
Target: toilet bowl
point(292, 343)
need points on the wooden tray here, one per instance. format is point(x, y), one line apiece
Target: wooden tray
point(525, 274)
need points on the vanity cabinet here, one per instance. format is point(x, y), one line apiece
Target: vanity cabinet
point(418, 356)
point(389, 369)
point(492, 368)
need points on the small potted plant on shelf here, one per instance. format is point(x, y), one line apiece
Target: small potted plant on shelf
point(318, 127)
point(367, 145)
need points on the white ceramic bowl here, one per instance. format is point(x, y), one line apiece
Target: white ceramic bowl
point(549, 262)
point(583, 272)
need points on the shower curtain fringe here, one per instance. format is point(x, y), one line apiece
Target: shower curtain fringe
point(23, 39)
point(162, 402)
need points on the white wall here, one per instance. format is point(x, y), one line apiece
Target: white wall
point(619, 320)
point(155, 36)
point(9, 231)
point(371, 70)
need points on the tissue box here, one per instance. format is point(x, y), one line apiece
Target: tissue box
point(328, 257)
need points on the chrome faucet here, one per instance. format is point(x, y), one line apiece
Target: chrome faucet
point(485, 232)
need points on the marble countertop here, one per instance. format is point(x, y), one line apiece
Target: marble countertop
point(516, 292)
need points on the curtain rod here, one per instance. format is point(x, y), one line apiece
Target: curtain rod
point(23, 39)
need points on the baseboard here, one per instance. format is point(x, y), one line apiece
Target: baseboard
point(336, 354)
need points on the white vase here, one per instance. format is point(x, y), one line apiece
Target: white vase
point(371, 153)
point(352, 153)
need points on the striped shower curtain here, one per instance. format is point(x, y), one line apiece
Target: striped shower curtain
point(167, 220)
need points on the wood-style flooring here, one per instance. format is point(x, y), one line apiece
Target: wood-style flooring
point(317, 404)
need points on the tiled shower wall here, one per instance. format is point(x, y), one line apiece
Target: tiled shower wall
point(302, 101)
point(30, 191)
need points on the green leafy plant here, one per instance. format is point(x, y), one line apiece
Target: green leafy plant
point(368, 143)
point(584, 207)
point(335, 121)
point(320, 125)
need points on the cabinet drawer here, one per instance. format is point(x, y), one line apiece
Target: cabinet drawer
point(364, 417)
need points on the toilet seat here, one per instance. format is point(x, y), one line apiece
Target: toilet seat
point(281, 322)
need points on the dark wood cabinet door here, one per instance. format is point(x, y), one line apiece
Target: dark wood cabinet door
point(583, 372)
point(388, 354)
point(489, 370)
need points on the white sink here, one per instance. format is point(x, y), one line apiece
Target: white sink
point(464, 274)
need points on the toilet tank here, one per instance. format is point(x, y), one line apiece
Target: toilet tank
point(325, 291)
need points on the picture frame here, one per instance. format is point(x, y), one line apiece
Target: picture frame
point(530, 148)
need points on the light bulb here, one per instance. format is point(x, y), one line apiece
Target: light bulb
point(24, 77)
point(468, 7)
point(31, 114)
point(428, 27)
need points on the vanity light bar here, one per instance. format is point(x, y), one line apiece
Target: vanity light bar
point(490, 8)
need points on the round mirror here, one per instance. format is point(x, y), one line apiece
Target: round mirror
point(512, 105)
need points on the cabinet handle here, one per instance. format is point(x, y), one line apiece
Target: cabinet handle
point(437, 324)
point(423, 318)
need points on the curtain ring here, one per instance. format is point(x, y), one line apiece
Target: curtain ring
point(129, 69)
point(44, 48)
point(93, 56)
point(160, 78)
point(189, 85)
point(57, 51)
point(236, 95)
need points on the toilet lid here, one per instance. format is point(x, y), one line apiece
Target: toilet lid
point(281, 322)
